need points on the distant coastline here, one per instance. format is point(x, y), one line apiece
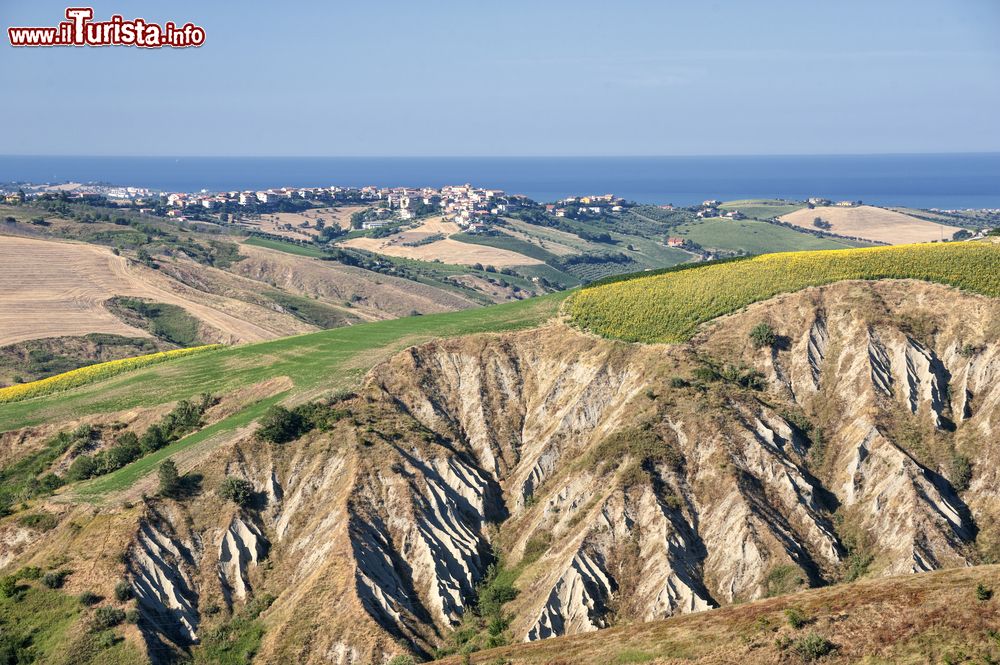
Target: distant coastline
point(923, 181)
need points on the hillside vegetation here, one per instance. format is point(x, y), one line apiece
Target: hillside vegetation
point(468, 494)
point(669, 307)
point(91, 373)
point(934, 617)
point(331, 359)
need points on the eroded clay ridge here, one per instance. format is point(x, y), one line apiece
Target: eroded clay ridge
point(645, 480)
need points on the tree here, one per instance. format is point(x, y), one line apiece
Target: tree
point(237, 490)
point(83, 467)
point(763, 336)
point(153, 439)
point(8, 586)
point(108, 617)
point(279, 425)
point(123, 591)
point(170, 480)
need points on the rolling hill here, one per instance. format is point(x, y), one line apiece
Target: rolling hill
point(91, 283)
point(455, 485)
point(753, 237)
point(872, 223)
point(670, 306)
point(87, 284)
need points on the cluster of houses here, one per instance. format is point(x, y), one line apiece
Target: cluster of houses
point(75, 191)
point(710, 209)
point(463, 204)
point(588, 205)
point(213, 200)
point(818, 202)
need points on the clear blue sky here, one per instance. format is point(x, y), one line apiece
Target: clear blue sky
point(579, 77)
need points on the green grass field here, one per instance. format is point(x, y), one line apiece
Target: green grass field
point(671, 306)
point(46, 623)
point(753, 237)
point(289, 247)
point(316, 363)
point(763, 208)
point(331, 359)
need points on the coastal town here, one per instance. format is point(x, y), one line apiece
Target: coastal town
point(468, 206)
point(336, 212)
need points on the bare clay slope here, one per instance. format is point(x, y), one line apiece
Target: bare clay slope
point(619, 483)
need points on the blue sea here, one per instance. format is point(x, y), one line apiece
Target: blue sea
point(924, 181)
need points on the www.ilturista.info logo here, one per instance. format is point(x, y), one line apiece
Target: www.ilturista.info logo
point(80, 30)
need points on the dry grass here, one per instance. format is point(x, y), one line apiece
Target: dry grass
point(55, 289)
point(371, 296)
point(927, 618)
point(446, 250)
point(872, 223)
point(303, 224)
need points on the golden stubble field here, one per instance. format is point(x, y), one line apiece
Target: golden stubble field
point(445, 250)
point(302, 225)
point(54, 289)
point(871, 223)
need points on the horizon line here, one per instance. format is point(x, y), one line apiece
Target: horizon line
point(554, 156)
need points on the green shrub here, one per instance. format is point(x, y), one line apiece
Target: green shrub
point(260, 603)
point(132, 615)
point(813, 647)
point(706, 374)
point(743, 376)
point(537, 545)
point(39, 521)
point(402, 660)
point(783, 579)
point(105, 639)
point(983, 592)
point(857, 565)
point(237, 490)
point(968, 350)
point(107, 616)
point(961, 472)
point(15, 648)
point(55, 579)
point(123, 591)
point(89, 598)
point(498, 624)
point(30, 573)
point(494, 595)
point(83, 467)
point(796, 618)
point(8, 586)
point(279, 425)
point(763, 336)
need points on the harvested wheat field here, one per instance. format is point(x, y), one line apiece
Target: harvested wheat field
point(302, 225)
point(54, 289)
point(871, 223)
point(404, 245)
point(372, 296)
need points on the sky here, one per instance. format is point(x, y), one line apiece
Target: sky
point(466, 78)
